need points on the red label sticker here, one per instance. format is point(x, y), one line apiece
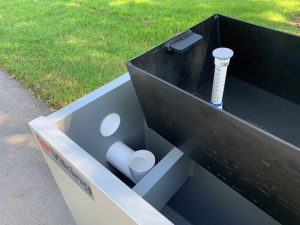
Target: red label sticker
point(44, 145)
point(65, 166)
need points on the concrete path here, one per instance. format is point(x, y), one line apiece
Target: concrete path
point(28, 193)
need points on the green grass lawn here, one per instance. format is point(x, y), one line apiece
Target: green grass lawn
point(64, 49)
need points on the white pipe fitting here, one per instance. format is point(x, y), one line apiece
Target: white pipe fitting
point(133, 164)
point(222, 58)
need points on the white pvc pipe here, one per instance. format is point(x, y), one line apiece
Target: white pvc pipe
point(133, 164)
point(222, 58)
point(140, 163)
point(118, 155)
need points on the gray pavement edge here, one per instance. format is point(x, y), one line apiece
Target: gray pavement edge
point(28, 193)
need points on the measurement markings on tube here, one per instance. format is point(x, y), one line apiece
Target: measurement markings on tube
point(65, 166)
